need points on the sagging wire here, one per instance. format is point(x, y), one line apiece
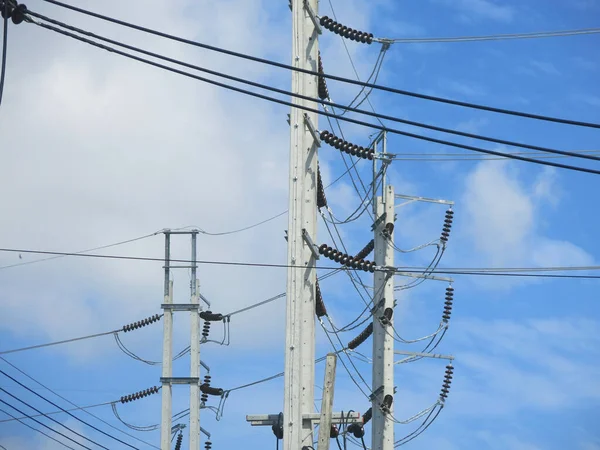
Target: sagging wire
point(132, 355)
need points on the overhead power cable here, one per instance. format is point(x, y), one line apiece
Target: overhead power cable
point(317, 111)
point(372, 113)
point(126, 328)
point(333, 269)
point(42, 424)
point(491, 37)
point(53, 420)
point(71, 415)
point(316, 73)
point(4, 9)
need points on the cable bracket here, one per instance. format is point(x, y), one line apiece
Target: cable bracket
point(180, 306)
point(378, 221)
point(180, 380)
point(313, 130)
point(313, 248)
point(313, 17)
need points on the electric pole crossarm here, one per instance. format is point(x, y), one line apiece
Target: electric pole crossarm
point(336, 418)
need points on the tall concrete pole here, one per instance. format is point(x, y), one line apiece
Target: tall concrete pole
point(194, 354)
point(300, 314)
point(383, 319)
point(167, 368)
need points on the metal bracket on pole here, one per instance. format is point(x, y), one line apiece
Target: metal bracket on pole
point(258, 420)
point(206, 433)
point(203, 298)
point(423, 355)
point(379, 220)
point(313, 17)
point(180, 306)
point(312, 129)
point(313, 248)
point(180, 380)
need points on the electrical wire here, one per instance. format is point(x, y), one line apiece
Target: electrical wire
point(439, 157)
point(334, 269)
point(421, 429)
point(42, 424)
point(133, 427)
point(77, 408)
point(226, 233)
point(492, 37)
point(4, 49)
point(53, 420)
point(71, 415)
point(316, 73)
point(66, 341)
point(317, 111)
point(84, 251)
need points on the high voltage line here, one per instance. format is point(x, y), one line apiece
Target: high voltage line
point(346, 119)
point(332, 77)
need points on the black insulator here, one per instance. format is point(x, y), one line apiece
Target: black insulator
point(205, 388)
point(206, 330)
point(334, 432)
point(367, 416)
point(319, 304)
point(366, 251)
point(322, 20)
point(322, 248)
point(179, 441)
point(138, 395)
point(18, 14)
point(210, 317)
point(324, 134)
point(140, 324)
point(387, 402)
point(357, 430)
point(204, 398)
point(372, 267)
point(345, 146)
point(208, 445)
point(278, 427)
point(6, 14)
point(362, 337)
point(387, 316)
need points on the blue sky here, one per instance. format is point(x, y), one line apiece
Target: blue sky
point(97, 150)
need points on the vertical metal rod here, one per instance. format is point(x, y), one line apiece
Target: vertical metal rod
point(167, 371)
point(194, 356)
point(300, 316)
point(383, 342)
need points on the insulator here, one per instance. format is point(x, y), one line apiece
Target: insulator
point(347, 32)
point(319, 303)
point(323, 91)
point(18, 14)
point(366, 251)
point(334, 432)
point(321, 199)
point(278, 427)
point(357, 430)
point(322, 248)
point(206, 329)
point(138, 395)
point(387, 316)
point(362, 337)
point(140, 324)
point(208, 445)
point(367, 416)
point(203, 398)
point(9, 10)
point(179, 441)
point(345, 146)
point(387, 402)
point(210, 317)
point(211, 390)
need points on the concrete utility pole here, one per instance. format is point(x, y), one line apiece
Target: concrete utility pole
point(167, 378)
point(383, 320)
point(327, 403)
point(302, 228)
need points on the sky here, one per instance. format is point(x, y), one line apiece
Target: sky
point(97, 150)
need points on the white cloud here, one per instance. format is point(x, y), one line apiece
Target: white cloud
point(502, 219)
point(484, 9)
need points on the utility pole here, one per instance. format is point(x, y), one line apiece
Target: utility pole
point(327, 403)
point(167, 379)
point(302, 229)
point(383, 320)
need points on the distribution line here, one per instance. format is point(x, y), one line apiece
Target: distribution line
point(491, 37)
point(372, 113)
point(333, 269)
point(42, 424)
point(71, 415)
point(53, 420)
point(66, 341)
point(310, 72)
point(317, 111)
point(77, 408)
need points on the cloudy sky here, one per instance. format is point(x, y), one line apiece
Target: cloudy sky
point(96, 149)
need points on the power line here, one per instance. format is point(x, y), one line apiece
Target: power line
point(72, 415)
point(310, 72)
point(491, 37)
point(4, 46)
point(83, 251)
point(35, 429)
point(224, 233)
point(53, 420)
point(66, 341)
point(77, 408)
point(317, 111)
point(372, 113)
point(334, 269)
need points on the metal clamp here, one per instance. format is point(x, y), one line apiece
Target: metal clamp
point(313, 248)
point(312, 129)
